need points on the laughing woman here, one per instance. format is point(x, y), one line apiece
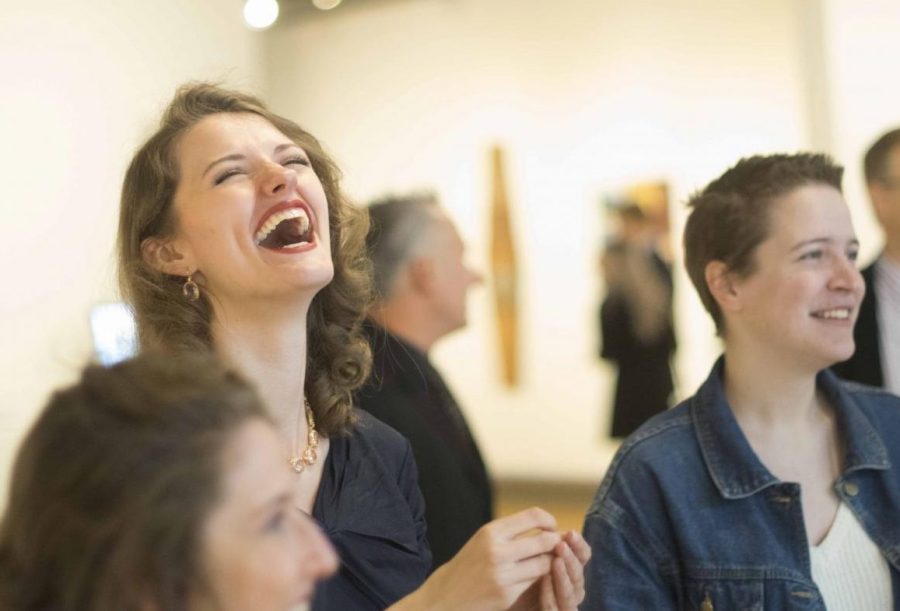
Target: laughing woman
point(776, 486)
point(234, 237)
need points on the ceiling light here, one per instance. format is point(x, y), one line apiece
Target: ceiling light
point(325, 5)
point(260, 14)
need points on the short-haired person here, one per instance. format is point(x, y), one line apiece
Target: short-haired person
point(156, 485)
point(421, 283)
point(234, 237)
point(776, 486)
point(877, 333)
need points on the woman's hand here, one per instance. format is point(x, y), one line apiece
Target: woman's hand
point(498, 564)
point(563, 588)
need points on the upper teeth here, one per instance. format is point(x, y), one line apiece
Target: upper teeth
point(838, 313)
point(283, 215)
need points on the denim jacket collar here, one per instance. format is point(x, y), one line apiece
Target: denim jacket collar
point(732, 463)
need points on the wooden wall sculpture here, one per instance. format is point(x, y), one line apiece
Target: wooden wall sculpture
point(503, 268)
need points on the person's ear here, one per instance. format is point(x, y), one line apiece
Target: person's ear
point(422, 275)
point(166, 256)
point(724, 286)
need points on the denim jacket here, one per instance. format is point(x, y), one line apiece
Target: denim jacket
point(688, 517)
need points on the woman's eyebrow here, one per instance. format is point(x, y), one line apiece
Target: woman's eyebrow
point(232, 157)
point(239, 157)
point(287, 145)
point(804, 243)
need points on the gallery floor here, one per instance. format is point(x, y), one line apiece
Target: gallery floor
point(568, 502)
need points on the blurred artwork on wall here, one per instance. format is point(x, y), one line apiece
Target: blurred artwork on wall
point(504, 276)
point(652, 199)
point(635, 315)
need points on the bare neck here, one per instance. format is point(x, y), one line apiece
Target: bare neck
point(409, 321)
point(766, 391)
point(269, 347)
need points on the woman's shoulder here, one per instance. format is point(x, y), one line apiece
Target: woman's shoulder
point(648, 452)
point(372, 435)
point(879, 404)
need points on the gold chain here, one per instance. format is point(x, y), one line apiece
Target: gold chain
point(309, 455)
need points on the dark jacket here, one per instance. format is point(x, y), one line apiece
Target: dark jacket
point(865, 364)
point(406, 392)
point(688, 513)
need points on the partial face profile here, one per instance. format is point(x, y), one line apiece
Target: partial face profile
point(251, 214)
point(453, 277)
point(804, 295)
point(259, 551)
point(885, 193)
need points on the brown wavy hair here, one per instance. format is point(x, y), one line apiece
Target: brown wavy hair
point(113, 484)
point(338, 357)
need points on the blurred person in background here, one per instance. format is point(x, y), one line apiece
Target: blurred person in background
point(159, 483)
point(636, 329)
point(777, 485)
point(877, 333)
point(234, 237)
point(421, 282)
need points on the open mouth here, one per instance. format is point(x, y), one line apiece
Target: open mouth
point(285, 228)
point(833, 314)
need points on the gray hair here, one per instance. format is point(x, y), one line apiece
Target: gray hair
point(396, 227)
point(875, 161)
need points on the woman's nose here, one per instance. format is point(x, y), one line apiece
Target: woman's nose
point(846, 276)
point(320, 558)
point(276, 178)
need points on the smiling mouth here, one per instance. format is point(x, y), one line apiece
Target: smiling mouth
point(833, 314)
point(288, 228)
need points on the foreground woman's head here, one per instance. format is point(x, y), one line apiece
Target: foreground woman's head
point(229, 206)
point(156, 484)
point(770, 248)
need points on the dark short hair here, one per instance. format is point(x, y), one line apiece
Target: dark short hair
point(875, 161)
point(339, 359)
point(729, 218)
point(113, 483)
point(396, 223)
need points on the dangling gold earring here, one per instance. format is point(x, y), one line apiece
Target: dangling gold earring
point(190, 289)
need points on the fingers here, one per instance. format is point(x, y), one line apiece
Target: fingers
point(528, 570)
point(566, 597)
point(547, 595)
point(579, 546)
point(520, 523)
point(568, 570)
point(526, 547)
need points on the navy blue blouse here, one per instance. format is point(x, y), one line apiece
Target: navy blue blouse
point(370, 507)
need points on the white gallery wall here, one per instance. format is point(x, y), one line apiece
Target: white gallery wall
point(82, 83)
point(863, 93)
point(586, 96)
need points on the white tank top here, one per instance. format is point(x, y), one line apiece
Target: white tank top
point(849, 569)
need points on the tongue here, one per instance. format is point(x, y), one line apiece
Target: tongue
point(287, 232)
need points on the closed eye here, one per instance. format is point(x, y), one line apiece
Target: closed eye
point(225, 175)
point(296, 161)
point(812, 255)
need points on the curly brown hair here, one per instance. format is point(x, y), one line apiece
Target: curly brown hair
point(112, 486)
point(338, 357)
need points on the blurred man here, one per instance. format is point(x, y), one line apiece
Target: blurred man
point(877, 333)
point(421, 284)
